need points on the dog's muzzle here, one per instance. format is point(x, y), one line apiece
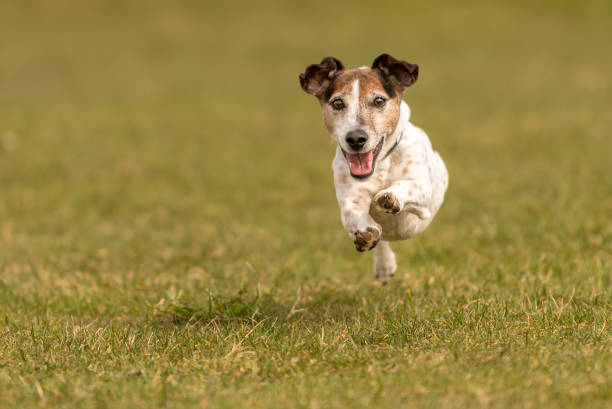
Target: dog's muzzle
point(360, 164)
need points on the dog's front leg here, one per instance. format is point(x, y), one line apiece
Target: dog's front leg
point(356, 219)
point(409, 195)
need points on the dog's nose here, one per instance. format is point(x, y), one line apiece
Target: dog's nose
point(356, 139)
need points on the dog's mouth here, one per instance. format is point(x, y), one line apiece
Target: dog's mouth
point(362, 164)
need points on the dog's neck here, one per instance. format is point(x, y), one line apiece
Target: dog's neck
point(402, 123)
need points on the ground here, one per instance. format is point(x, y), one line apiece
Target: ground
point(169, 235)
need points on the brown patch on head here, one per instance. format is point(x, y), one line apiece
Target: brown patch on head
point(382, 120)
point(358, 90)
point(361, 107)
point(369, 81)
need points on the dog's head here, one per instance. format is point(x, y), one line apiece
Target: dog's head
point(361, 107)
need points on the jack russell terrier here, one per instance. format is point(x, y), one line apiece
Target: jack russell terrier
point(389, 180)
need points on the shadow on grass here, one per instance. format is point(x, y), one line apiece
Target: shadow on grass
point(221, 308)
point(318, 305)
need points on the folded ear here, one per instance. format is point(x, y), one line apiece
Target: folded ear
point(401, 74)
point(318, 77)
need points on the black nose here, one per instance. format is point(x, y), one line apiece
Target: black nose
point(356, 139)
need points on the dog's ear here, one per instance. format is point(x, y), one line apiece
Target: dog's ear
point(318, 77)
point(401, 74)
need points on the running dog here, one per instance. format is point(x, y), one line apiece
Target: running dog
point(389, 180)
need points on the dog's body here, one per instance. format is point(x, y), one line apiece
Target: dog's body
point(389, 181)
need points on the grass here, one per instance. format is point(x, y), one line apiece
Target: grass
point(169, 235)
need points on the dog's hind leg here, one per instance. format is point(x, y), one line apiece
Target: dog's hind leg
point(384, 262)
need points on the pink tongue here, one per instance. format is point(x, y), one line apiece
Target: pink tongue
point(360, 163)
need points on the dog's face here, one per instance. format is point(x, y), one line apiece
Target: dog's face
point(361, 107)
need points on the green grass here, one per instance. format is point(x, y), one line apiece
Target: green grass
point(169, 235)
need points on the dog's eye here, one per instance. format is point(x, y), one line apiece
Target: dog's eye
point(337, 104)
point(379, 101)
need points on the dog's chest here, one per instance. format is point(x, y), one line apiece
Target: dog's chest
point(380, 179)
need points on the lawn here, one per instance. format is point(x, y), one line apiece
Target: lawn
point(169, 235)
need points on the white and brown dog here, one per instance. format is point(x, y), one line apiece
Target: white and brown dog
point(389, 180)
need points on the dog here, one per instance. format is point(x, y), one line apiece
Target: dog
point(389, 180)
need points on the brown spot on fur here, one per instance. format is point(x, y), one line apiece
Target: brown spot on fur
point(364, 190)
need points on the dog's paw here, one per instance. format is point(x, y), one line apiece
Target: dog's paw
point(384, 278)
point(387, 202)
point(367, 239)
point(385, 271)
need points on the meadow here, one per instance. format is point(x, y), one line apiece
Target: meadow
point(169, 235)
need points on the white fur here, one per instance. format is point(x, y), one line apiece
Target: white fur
point(350, 119)
point(414, 173)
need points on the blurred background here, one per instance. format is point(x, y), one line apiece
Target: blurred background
point(173, 137)
point(169, 233)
